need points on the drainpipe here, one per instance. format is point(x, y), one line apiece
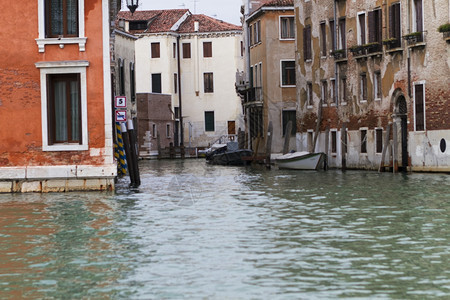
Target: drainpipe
point(336, 79)
point(179, 92)
point(409, 51)
point(196, 58)
point(247, 51)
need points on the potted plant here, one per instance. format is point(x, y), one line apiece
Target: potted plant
point(445, 29)
point(338, 54)
point(372, 47)
point(357, 50)
point(389, 41)
point(412, 37)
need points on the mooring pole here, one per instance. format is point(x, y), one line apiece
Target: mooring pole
point(134, 153)
point(126, 143)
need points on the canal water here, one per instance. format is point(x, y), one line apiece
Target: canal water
point(194, 231)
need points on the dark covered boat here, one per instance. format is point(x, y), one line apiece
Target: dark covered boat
point(228, 155)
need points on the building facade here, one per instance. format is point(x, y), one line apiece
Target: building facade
point(373, 82)
point(192, 58)
point(55, 102)
point(268, 87)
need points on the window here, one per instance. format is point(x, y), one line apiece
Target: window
point(168, 130)
point(186, 50)
point(242, 48)
point(419, 107)
point(333, 35)
point(363, 141)
point(64, 106)
point(363, 87)
point(231, 127)
point(395, 25)
point(343, 90)
point(250, 35)
point(251, 77)
point(288, 73)
point(258, 32)
point(174, 50)
point(287, 27)
point(138, 25)
point(378, 140)
point(61, 22)
point(121, 77)
point(361, 29)
point(155, 134)
point(324, 92)
point(323, 39)
point(333, 90)
point(256, 76)
point(155, 50)
point(177, 113)
point(333, 141)
point(209, 121)
point(207, 49)
point(61, 18)
point(208, 82)
point(342, 36)
point(307, 53)
point(309, 93)
point(310, 140)
point(175, 83)
point(377, 85)
point(132, 83)
point(418, 17)
point(289, 115)
point(156, 83)
point(375, 27)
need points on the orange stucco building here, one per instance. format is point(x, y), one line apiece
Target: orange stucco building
point(55, 97)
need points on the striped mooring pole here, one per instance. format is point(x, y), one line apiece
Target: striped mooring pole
point(120, 152)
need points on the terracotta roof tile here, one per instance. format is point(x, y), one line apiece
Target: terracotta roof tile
point(271, 3)
point(163, 20)
point(207, 24)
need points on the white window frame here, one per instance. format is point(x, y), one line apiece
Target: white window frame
point(281, 73)
point(376, 85)
point(333, 91)
point(366, 129)
point(64, 67)
point(279, 27)
point(424, 105)
point(331, 141)
point(359, 27)
point(42, 40)
point(309, 94)
point(324, 92)
point(413, 13)
point(375, 140)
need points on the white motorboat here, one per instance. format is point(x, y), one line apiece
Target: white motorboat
point(300, 160)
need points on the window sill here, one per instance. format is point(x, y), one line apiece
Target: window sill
point(333, 104)
point(287, 39)
point(343, 103)
point(65, 147)
point(288, 86)
point(377, 99)
point(363, 101)
point(61, 42)
point(325, 105)
point(309, 106)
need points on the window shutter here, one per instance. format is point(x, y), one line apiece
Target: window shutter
point(378, 25)
point(419, 108)
point(305, 55)
point(392, 21)
point(372, 31)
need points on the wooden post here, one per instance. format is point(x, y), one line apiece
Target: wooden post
point(134, 153)
point(158, 141)
point(126, 143)
point(327, 140)
point(319, 120)
point(395, 147)
point(287, 137)
point(269, 144)
point(344, 146)
point(385, 148)
point(390, 155)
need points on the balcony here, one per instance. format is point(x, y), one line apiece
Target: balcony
point(339, 55)
point(416, 39)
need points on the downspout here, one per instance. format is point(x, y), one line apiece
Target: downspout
point(196, 60)
point(247, 51)
point(179, 92)
point(409, 50)
point(336, 79)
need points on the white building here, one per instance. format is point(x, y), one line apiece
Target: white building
point(207, 53)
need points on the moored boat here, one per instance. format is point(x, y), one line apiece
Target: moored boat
point(228, 155)
point(301, 160)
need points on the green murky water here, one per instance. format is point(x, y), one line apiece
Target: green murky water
point(197, 231)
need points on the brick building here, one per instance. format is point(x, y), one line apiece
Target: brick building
point(364, 65)
point(55, 96)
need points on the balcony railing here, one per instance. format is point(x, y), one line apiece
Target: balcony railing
point(415, 39)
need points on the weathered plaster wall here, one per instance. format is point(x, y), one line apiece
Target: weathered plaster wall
point(428, 65)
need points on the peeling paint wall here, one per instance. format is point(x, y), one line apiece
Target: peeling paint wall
point(428, 61)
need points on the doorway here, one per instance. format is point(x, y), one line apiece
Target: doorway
point(402, 113)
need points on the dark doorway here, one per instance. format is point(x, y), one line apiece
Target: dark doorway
point(402, 113)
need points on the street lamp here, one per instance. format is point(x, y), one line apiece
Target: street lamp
point(132, 5)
